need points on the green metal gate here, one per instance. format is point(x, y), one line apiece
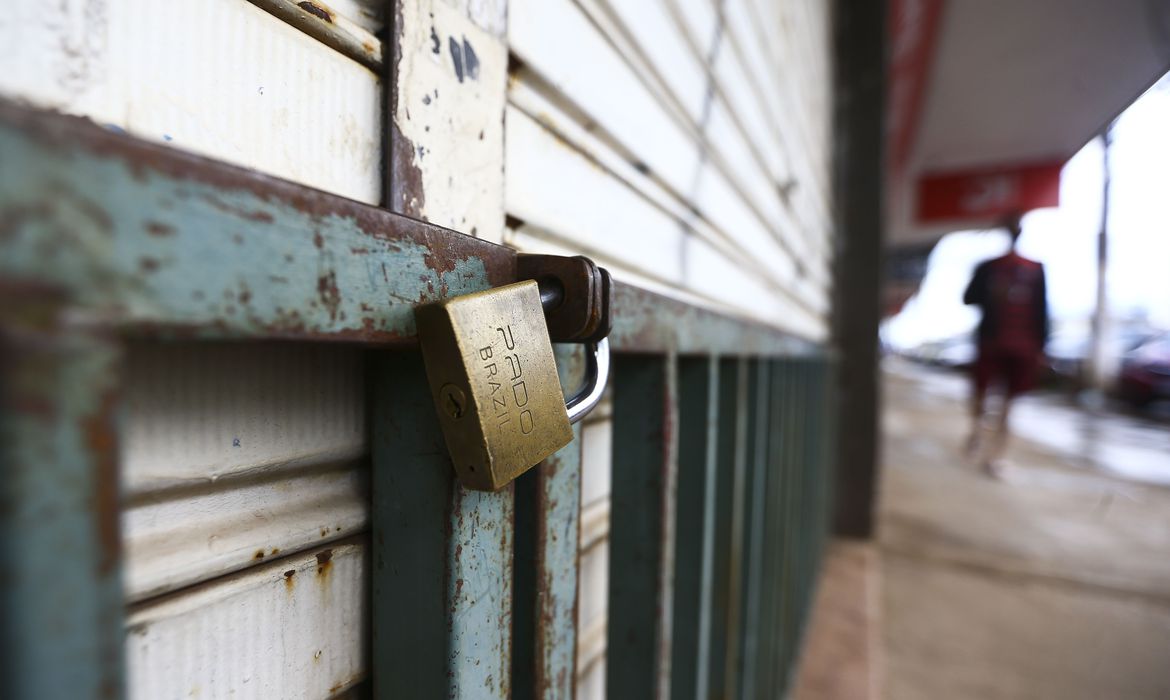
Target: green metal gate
point(721, 439)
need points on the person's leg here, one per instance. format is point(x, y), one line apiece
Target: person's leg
point(992, 461)
point(1018, 374)
point(980, 378)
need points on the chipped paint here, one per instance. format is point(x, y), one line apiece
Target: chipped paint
point(84, 207)
point(61, 593)
point(305, 611)
point(447, 147)
point(558, 531)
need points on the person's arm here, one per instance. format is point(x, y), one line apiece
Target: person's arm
point(975, 293)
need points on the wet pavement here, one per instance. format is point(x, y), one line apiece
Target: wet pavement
point(1053, 582)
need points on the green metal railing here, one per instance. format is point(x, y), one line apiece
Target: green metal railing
point(721, 436)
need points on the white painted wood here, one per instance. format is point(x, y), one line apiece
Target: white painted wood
point(448, 119)
point(552, 37)
point(602, 114)
point(489, 15)
point(592, 601)
point(330, 27)
point(200, 413)
point(218, 77)
point(665, 65)
point(367, 14)
point(553, 190)
point(596, 461)
point(236, 453)
point(192, 537)
point(595, 519)
point(538, 106)
point(591, 680)
point(293, 628)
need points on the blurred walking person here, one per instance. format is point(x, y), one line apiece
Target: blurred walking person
point(1011, 294)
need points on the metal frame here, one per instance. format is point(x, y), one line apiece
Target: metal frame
point(108, 238)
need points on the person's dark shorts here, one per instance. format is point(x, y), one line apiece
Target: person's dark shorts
point(1016, 371)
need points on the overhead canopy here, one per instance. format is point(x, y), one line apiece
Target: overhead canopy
point(992, 94)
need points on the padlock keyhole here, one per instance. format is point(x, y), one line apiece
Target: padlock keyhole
point(453, 400)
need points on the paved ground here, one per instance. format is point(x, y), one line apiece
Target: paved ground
point(1053, 583)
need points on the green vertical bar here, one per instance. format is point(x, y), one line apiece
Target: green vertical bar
point(694, 524)
point(777, 517)
point(737, 560)
point(547, 518)
point(61, 607)
point(754, 547)
point(795, 530)
point(641, 551)
point(729, 460)
point(441, 554)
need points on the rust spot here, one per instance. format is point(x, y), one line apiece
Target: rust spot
point(406, 182)
point(324, 561)
point(157, 228)
point(275, 551)
point(245, 295)
point(318, 240)
point(101, 440)
point(360, 251)
point(148, 264)
point(288, 579)
point(259, 554)
point(256, 215)
point(329, 294)
point(316, 10)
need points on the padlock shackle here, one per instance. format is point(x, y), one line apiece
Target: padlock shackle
point(596, 377)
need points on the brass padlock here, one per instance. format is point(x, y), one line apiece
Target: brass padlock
point(493, 378)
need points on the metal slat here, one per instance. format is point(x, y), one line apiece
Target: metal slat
point(441, 555)
point(547, 535)
point(737, 559)
point(724, 549)
point(61, 591)
point(642, 527)
point(760, 399)
point(558, 531)
point(698, 383)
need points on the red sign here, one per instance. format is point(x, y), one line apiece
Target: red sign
point(913, 28)
point(987, 193)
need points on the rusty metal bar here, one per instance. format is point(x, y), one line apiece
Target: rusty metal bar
point(645, 420)
point(441, 554)
point(63, 620)
point(547, 535)
point(158, 242)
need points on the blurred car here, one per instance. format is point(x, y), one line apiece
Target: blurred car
point(1067, 353)
point(1145, 372)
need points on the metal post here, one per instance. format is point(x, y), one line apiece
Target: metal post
point(1098, 360)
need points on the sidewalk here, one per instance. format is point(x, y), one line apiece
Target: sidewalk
point(1052, 583)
